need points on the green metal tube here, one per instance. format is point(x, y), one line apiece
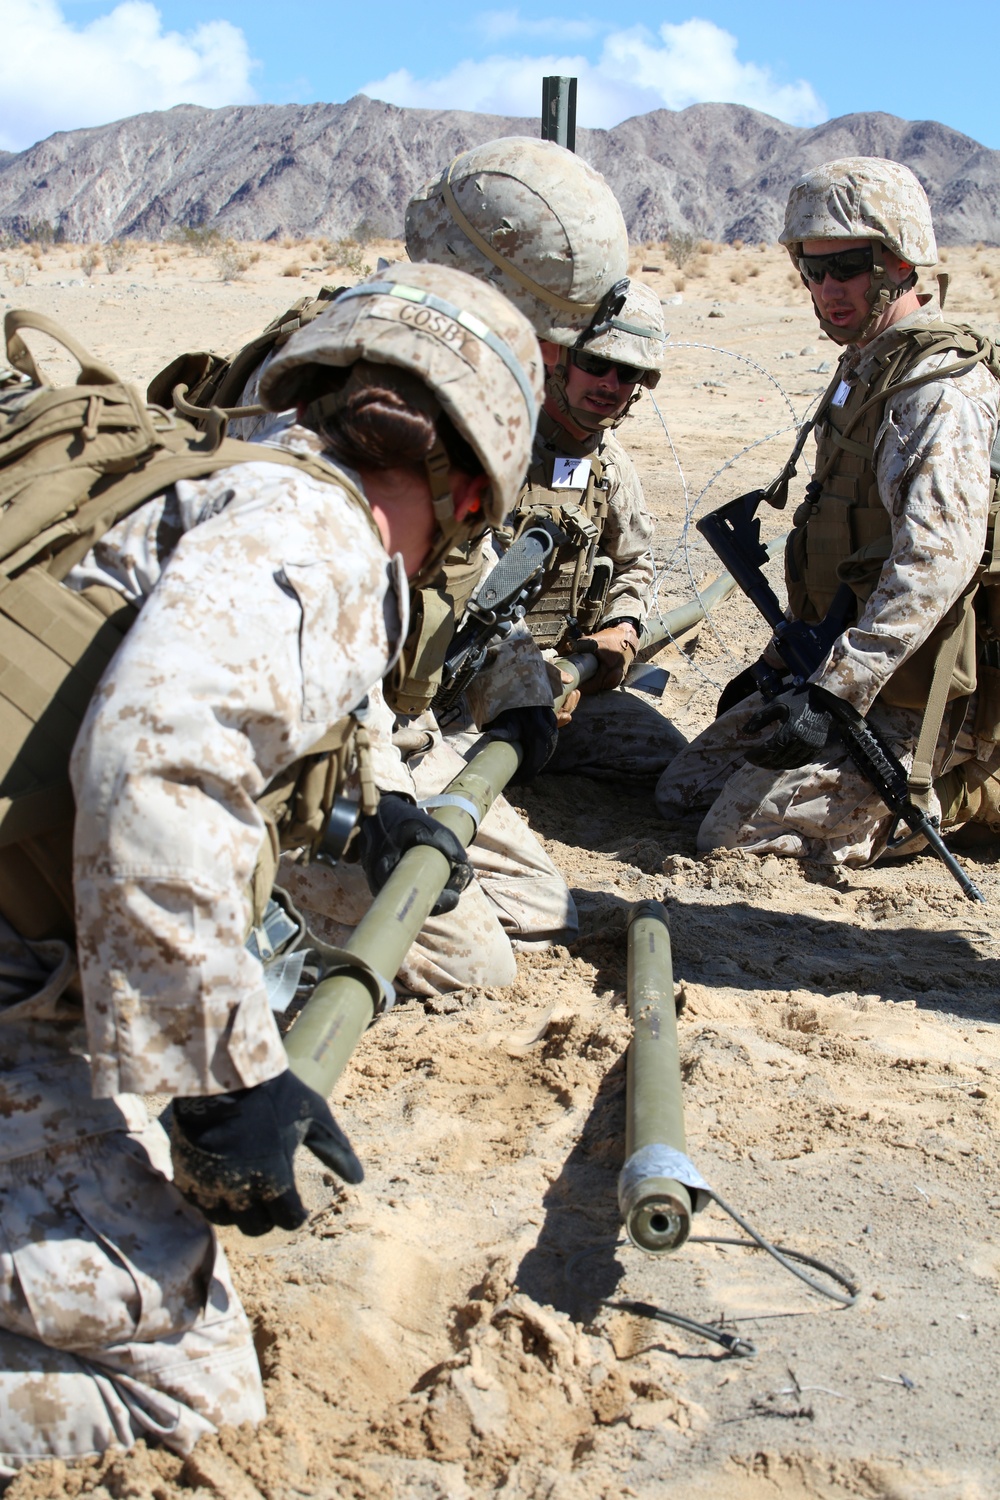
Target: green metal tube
point(655, 1207)
point(342, 1007)
point(685, 616)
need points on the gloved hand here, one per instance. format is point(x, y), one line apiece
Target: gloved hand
point(397, 825)
point(735, 691)
point(615, 647)
point(559, 681)
point(804, 728)
point(535, 730)
point(744, 683)
point(232, 1153)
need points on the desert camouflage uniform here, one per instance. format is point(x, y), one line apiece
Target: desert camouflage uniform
point(518, 895)
point(118, 1318)
point(616, 733)
point(932, 469)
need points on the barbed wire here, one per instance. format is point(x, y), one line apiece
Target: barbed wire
point(663, 571)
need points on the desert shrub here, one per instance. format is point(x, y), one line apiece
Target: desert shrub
point(114, 256)
point(292, 269)
point(18, 273)
point(231, 261)
point(197, 237)
point(288, 241)
point(90, 260)
point(680, 282)
point(737, 244)
point(754, 271)
point(707, 247)
point(348, 253)
point(698, 267)
point(943, 256)
point(737, 275)
point(680, 246)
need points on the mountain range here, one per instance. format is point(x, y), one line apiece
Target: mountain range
point(264, 171)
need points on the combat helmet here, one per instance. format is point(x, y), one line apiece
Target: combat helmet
point(533, 220)
point(630, 333)
point(474, 353)
point(863, 198)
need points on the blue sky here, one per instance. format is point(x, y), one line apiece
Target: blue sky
point(66, 63)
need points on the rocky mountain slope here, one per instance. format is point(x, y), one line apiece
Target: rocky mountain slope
point(260, 171)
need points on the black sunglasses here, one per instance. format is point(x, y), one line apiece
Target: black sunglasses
point(842, 265)
point(592, 364)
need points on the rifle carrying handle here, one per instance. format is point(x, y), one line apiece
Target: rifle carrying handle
point(92, 371)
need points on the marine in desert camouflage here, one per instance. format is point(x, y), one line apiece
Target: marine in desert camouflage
point(899, 511)
point(269, 602)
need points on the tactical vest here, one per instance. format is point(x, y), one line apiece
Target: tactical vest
point(842, 531)
point(73, 462)
point(578, 578)
point(435, 610)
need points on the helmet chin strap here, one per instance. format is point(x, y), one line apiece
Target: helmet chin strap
point(881, 294)
point(451, 531)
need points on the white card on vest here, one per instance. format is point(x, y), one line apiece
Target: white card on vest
point(570, 473)
point(841, 394)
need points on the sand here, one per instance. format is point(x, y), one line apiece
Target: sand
point(447, 1329)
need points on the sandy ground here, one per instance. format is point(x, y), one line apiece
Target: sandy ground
point(449, 1328)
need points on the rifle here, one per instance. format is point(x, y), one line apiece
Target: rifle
point(504, 596)
point(733, 533)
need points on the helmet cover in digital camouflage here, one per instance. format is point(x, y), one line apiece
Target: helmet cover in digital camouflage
point(531, 218)
point(474, 351)
point(634, 336)
point(862, 198)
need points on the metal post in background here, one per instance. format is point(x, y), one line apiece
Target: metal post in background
point(559, 111)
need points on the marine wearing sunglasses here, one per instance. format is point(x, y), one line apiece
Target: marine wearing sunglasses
point(842, 265)
point(593, 364)
point(843, 277)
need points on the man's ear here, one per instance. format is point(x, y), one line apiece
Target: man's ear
point(551, 353)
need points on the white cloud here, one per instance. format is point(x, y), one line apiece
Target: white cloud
point(58, 76)
point(497, 25)
point(692, 63)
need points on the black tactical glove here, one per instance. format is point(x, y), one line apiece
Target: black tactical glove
point(744, 683)
point(803, 732)
point(232, 1153)
point(537, 733)
point(398, 825)
point(735, 691)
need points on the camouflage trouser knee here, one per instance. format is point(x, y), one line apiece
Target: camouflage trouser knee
point(616, 734)
point(518, 897)
point(825, 810)
point(118, 1318)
